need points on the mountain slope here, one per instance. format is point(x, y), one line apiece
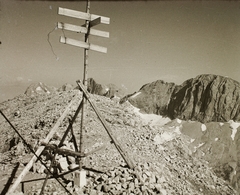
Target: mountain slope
point(152, 98)
point(166, 166)
point(205, 98)
point(217, 143)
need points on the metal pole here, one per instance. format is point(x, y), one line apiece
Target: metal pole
point(85, 83)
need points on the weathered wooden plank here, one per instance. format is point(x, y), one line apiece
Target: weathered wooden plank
point(58, 150)
point(82, 15)
point(70, 125)
point(83, 44)
point(115, 141)
point(39, 150)
point(74, 13)
point(95, 22)
point(80, 29)
point(104, 20)
point(98, 48)
point(72, 27)
point(68, 152)
point(99, 33)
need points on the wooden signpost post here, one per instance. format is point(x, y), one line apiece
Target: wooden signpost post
point(91, 20)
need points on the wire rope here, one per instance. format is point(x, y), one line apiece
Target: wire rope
point(30, 148)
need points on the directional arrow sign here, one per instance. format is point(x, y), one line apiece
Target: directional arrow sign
point(82, 15)
point(83, 44)
point(83, 30)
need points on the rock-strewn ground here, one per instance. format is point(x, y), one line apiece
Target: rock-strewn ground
point(162, 154)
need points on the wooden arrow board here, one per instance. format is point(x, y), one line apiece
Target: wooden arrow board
point(82, 15)
point(82, 44)
point(80, 29)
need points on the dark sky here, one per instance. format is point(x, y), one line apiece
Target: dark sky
point(149, 40)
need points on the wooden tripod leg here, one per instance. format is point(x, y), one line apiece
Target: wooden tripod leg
point(47, 176)
point(118, 146)
point(74, 139)
point(44, 183)
point(70, 124)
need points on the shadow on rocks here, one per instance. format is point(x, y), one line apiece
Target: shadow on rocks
point(9, 182)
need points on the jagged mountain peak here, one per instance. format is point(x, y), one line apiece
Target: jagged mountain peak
point(109, 90)
point(204, 98)
point(39, 88)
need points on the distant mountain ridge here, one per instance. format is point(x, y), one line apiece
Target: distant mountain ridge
point(109, 90)
point(39, 88)
point(205, 98)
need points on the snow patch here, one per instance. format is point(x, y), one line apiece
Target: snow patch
point(38, 88)
point(221, 124)
point(200, 145)
point(203, 127)
point(135, 95)
point(192, 140)
point(234, 126)
point(151, 119)
point(166, 136)
point(179, 121)
point(177, 130)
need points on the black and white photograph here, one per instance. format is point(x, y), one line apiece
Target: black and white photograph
point(119, 97)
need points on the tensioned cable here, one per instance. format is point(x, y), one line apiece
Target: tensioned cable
point(49, 42)
point(30, 147)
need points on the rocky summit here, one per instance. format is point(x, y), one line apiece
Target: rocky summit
point(39, 88)
point(170, 156)
point(205, 98)
point(109, 90)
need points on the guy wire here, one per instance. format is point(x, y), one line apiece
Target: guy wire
point(30, 147)
point(48, 39)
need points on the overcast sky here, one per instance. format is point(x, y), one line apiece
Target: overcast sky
point(149, 40)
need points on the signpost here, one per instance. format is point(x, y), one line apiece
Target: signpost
point(81, 29)
point(82, 44)
point(82, 15)
point(91, 20)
